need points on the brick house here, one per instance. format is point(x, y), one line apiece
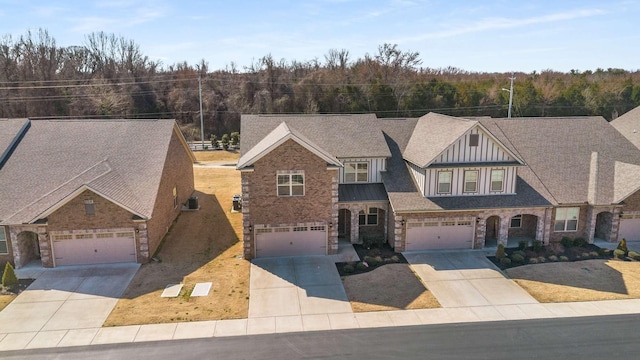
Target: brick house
point(435, 182)
point(89, 191)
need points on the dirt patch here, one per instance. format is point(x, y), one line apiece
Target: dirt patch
point(201, 246)
point(588, 280)
point(390, 287)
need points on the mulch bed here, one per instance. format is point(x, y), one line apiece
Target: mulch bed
point(552, 254)
point(22, 285)
point(370, 259)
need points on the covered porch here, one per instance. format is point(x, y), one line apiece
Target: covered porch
point(362, 212)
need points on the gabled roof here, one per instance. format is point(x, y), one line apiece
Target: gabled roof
point(121, 160)
point(11, 132)
point(435, 133)
point(344, 136)
point(626, 182)
point(277, 137)
point(628, 124)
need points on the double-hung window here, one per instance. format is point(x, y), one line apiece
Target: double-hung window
point(566, 219)
point(444, 182)
point(516, 222)
point(4, 249)
point(356, 172)
point(471, 181)
point(291, 184)
point(497, 180)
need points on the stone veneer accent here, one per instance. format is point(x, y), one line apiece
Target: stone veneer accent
point(355, 209)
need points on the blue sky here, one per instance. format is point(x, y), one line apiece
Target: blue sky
point(484, 36)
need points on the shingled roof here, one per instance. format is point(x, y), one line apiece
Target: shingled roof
point(122, 160)
point(344, 136)
point(628, 124)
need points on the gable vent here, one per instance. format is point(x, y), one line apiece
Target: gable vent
point(474, 139)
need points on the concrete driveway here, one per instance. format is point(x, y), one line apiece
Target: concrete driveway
point(65, 298)
point(466, 278)
point(295, 286)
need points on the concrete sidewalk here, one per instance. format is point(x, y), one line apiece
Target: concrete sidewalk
point(297, 323)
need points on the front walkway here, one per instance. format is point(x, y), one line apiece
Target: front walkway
point(465, 278)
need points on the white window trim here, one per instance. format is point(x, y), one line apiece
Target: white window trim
point(565, 213)
point(3, 238)
point(501, 180)
point(517, 217)
point(450, 182)
point(356, 171)
point(464, 186)
point(290, 184)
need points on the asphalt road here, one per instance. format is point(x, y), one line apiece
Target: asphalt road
point(607, 337)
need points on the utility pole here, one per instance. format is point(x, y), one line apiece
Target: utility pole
point(202, 121)
point(510, 90)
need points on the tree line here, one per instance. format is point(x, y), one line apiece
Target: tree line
point(109, 77)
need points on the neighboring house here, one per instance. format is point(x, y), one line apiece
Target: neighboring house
point(437, 182)
point(89, 191)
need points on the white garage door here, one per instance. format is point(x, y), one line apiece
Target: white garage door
point(291, 241)
point(438, 235)
point(94, 248)
point(629, 227)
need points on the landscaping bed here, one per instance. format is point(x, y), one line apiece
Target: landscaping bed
point(370, 259)
point(568, 250)
point(7, 294)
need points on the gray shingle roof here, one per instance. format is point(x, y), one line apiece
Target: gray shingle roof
point(341, 135)
point(361, 192)
point(440, 130)
point(628, 124)
point(10, 134)
point(120, 159)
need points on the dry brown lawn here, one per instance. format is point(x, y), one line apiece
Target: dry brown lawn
point(588, 280)
point(216, 155)
point(201, 246)
point(6, 300)
point(389, 287)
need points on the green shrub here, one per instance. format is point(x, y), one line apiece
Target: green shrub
point(522, 244)
point(634, 255)
point(348, 269)
point(619, 254)
point(563, 258)
point(500, 254)
point(606, 252)
point(537, 245)
point(594, 254)
point(623, 246)
point(505, 261)
point(585, 255)
point(395, 258)
point(361, 266)
point(566, 241)
point(9, 278)
point(580, 241)
point(542, 259)
point(533, 261)
point(601, 252)
point(517, 258)
point(371, 261)
point(519, 252)
point(553, 258)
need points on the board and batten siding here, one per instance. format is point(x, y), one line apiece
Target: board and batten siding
point(486, 151)
point(376, 166)
point(484, 181)
point(418, 175)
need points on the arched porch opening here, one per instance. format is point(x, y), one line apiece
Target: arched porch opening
point(604, 222)
point(344, 224)
point(492, 231)
point(28, 248)
point(522, 227)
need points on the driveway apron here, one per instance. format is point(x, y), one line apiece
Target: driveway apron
point(466, 278)
point(66, 298)
point(294, 286)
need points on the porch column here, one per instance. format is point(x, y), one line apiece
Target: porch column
point(591, 225)
point(503, 231)
point(540, 228)
point(45, 247)
point(481, 231)
point(355, 228)
point(17, 256)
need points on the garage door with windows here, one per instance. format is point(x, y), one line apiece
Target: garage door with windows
point(629, 227)
point(439, 235)
point(94, 248)
point(290, 240)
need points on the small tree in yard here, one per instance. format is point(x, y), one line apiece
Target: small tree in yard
point(9, 279)
point(500, 254)
point(623, 246)
point(225, 141)
point(214, 141)
point(235, 138)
